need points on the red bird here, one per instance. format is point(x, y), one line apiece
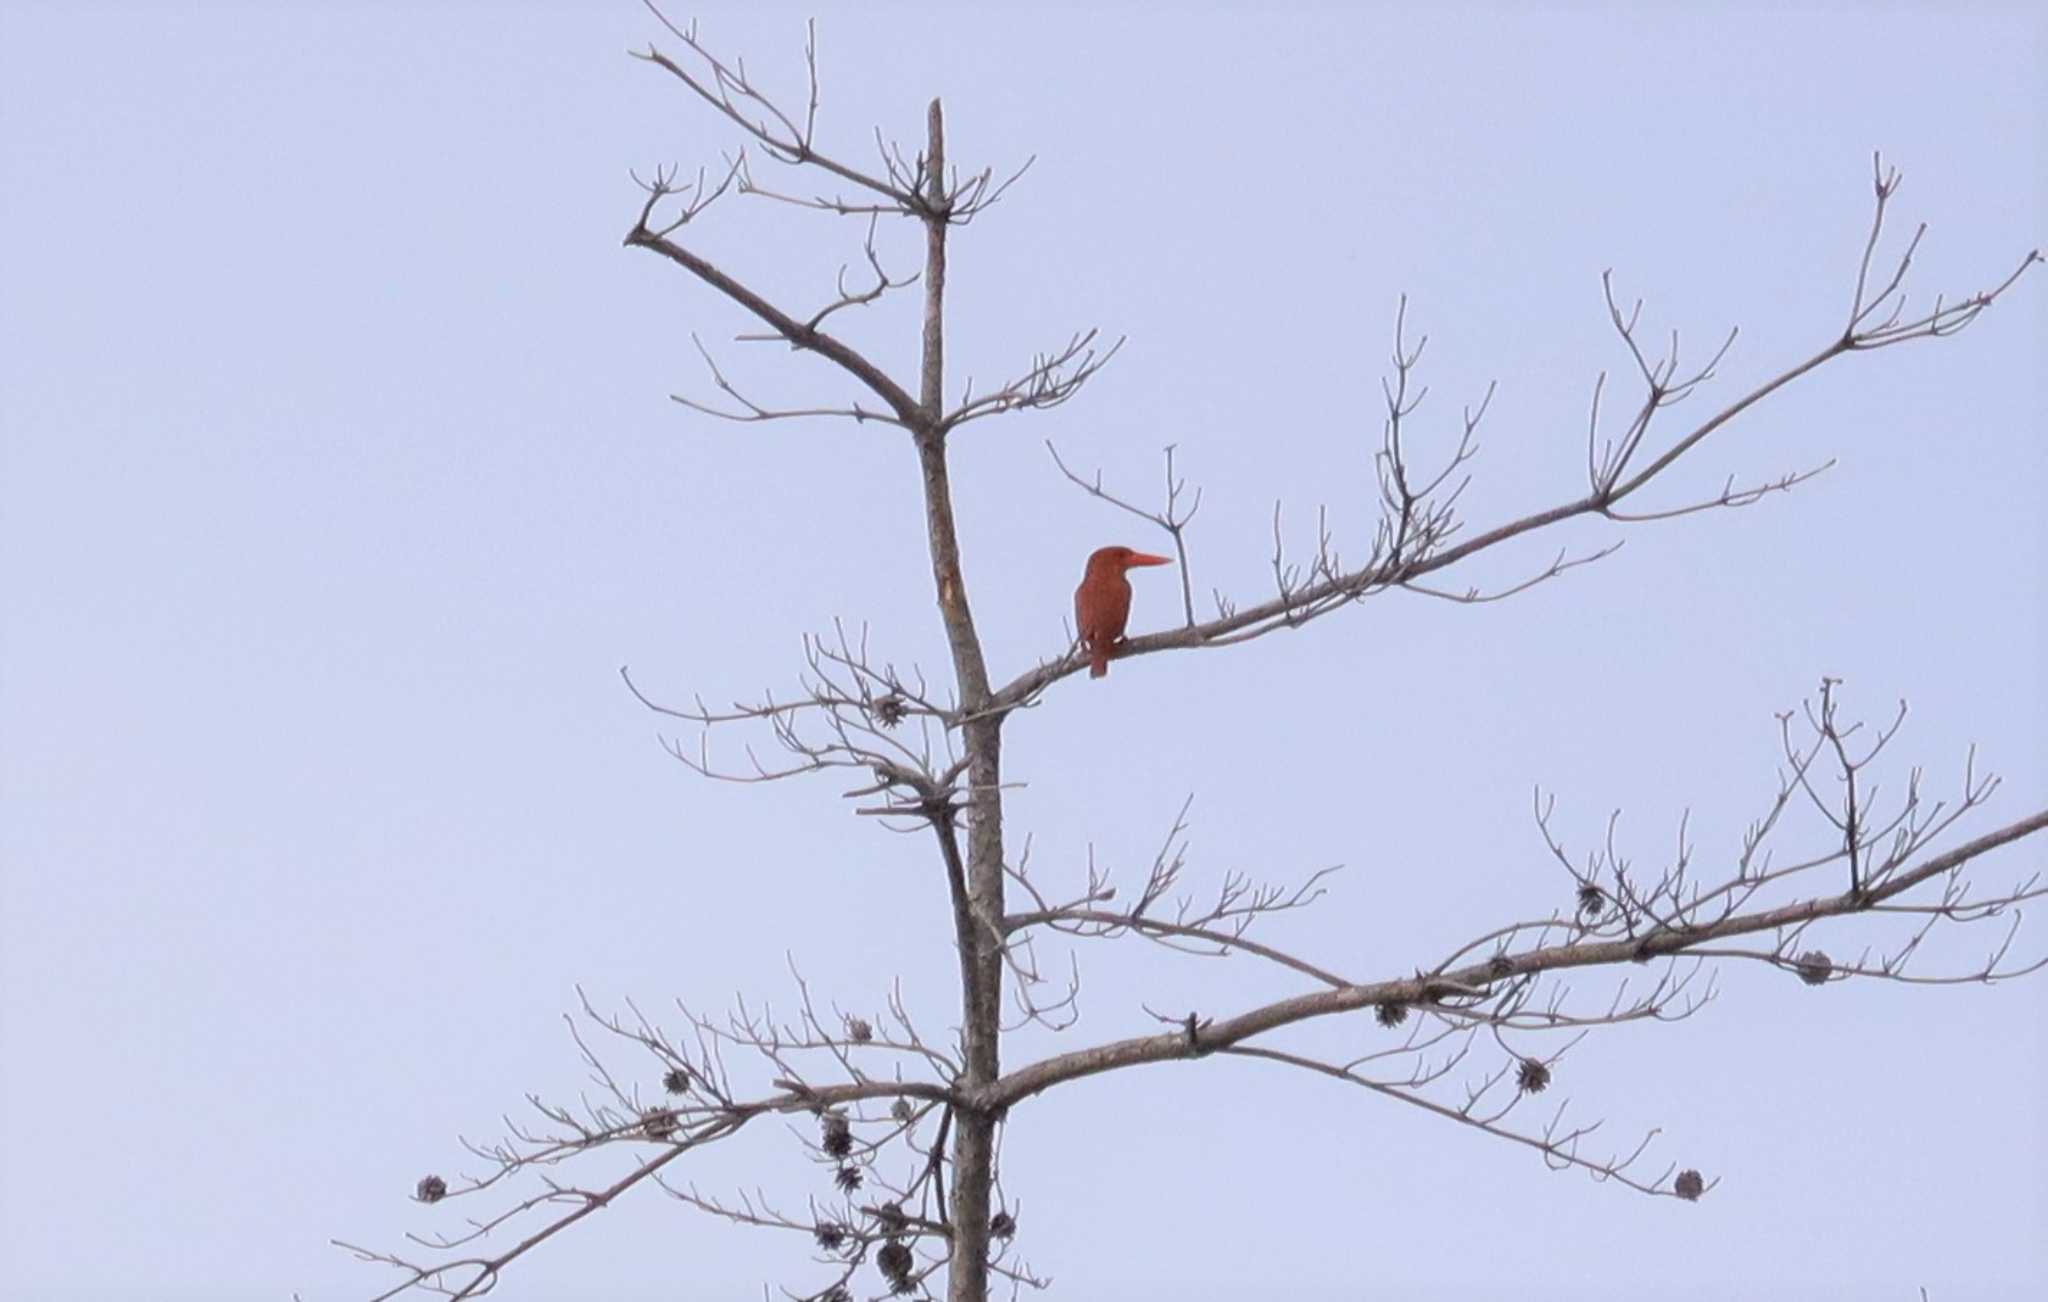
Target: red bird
point(1102, 604)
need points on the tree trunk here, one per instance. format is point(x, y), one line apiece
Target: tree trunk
point(981, 966)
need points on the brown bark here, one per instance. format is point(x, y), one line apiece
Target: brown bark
point(981, 968)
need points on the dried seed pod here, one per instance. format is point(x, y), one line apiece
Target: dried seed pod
point(659, 1123)
point(896, 1262)
point(1814, 967)
point(1592, 902)
point(838, 1137)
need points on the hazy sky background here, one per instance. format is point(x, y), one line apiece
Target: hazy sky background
point(341, 476)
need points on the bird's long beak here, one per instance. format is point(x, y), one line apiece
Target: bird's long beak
point(1146, 558)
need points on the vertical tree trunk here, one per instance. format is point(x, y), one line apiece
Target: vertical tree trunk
point(981, 970)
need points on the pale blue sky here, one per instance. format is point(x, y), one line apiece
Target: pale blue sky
point(340, 476)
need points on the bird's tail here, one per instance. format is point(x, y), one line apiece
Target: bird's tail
point(1098, 665)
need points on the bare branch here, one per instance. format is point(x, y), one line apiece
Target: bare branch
point(1171, 518)
point(754, 412)
point(799, 334)
point(725, 87)
point(1413, 540)
point(1624, 921)
point(1051, 379)
point(1213, 930)
point(1559, 1145)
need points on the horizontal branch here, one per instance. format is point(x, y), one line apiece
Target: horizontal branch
point(1290, 610)
point(1414, 541)
point(1472, 980)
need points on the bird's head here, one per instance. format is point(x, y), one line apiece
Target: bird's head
point(1116, 560)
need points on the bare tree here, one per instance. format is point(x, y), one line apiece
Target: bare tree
point(907, 1123)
